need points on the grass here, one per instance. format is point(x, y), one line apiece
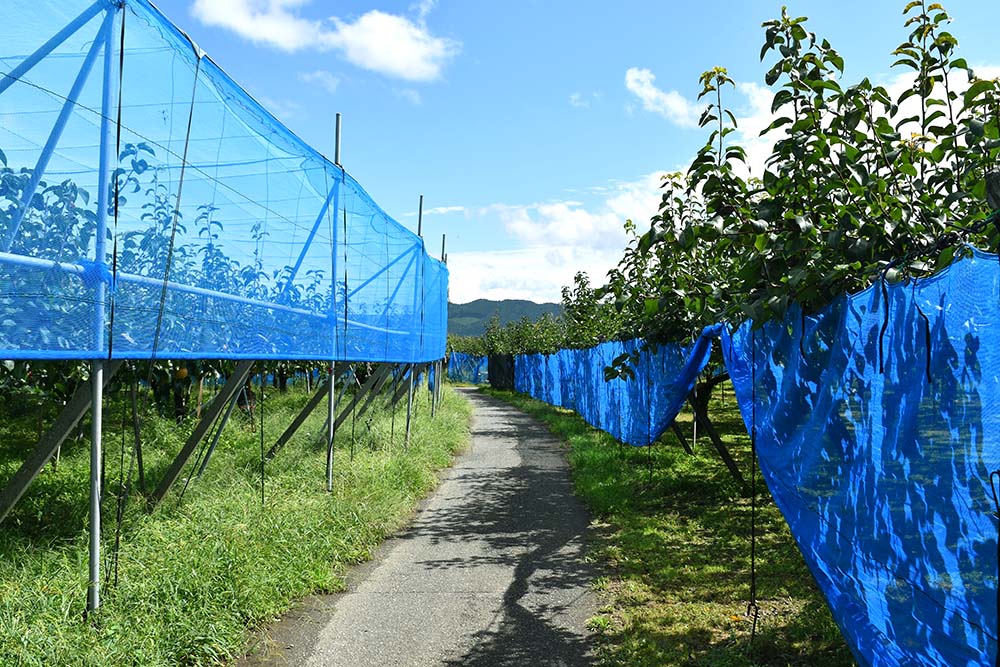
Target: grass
point(198, 574)
point(674, 536)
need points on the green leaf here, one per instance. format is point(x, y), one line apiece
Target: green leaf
point(976, 89)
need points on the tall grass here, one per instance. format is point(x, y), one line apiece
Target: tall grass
point(674, 535)
point(200, 572)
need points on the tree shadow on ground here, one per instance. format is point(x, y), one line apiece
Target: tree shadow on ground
point(528, 520)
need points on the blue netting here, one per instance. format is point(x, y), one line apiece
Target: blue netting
point(469, 368)
point(257, 246)
point(877, 423)
point(635, 411)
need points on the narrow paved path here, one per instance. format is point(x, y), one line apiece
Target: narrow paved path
point(490, 572)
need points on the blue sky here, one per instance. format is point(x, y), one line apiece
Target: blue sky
point(533, 129)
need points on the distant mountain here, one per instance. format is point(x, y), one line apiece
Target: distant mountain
point(470, 319)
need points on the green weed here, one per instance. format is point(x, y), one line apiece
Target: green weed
point(197, 575)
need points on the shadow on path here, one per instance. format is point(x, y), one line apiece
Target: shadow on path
point(492, 571)
point(529, 515)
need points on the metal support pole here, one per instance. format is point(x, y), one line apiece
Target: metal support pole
point(414, 250)
point(97, 414)
point(420, 218)
point(336, 146)
point(331, 425)
point(434, 389)
point(440, 386)
point(48, 47)
point(49, 443)
point(694, 422)
point(235, 383)
point(313, 403)
point(103, 178)
point(57, 130)
point(442, 247)
point(409, 406)
point(218, 434)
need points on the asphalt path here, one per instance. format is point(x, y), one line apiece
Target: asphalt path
point(490, 572)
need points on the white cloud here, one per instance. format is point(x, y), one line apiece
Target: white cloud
point(578, 225)
point(443, 210)
point(751, 119)
point(393, 45)
point(385, 43)
point(438, 210)
point(281, 109)
point(755, 114)
point(577, 100)
point(410, 95)
point(323, 79)
point(670, 104)
point(558, 239)
point(423, 8)
point(535, 274)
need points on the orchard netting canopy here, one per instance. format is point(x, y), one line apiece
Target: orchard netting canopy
point(150, 207)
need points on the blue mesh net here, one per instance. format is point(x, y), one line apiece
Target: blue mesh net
point(254, 243)
point(635, 411)
point(877, 422)
point(469, 368)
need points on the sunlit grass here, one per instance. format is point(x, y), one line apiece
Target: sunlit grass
point(673, 533)
point(199, 573)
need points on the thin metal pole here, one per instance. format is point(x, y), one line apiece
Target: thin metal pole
point(441, 381)
point(57, 130)
point(332, 407)
point(434, 389)
point(420, 218)
point(442, 247)
point(323, 214)
point(218, 433)
point(45, 49)
point(103, 176)
point(409, 408)
point(372, 278)
point(97, 415)
point(392, 404)
point(390, 302)
point(336, 147)
point(694, 426)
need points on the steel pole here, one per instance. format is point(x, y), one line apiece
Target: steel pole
point(409, 408)
point(420, 218)
point(336, 146)
point(332, 406)
point(97, 414)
